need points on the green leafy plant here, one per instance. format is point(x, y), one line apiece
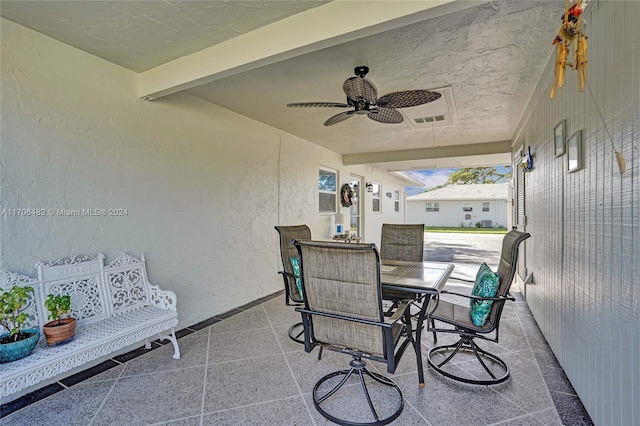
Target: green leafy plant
point(58, 305)
point(12, 315)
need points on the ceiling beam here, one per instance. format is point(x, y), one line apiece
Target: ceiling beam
point(501, 147)
point(328, 25)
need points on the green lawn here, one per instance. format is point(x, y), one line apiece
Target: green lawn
point(472, 230)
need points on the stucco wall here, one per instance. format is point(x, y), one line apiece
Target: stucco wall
point(199, 183)
point(451, 213)
point(202, 186)
point(585, 246)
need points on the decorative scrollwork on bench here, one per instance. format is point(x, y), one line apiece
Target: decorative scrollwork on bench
point(115, 306)
point(164, 299)
point(71, 260)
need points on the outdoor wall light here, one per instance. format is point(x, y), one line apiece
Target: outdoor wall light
point(369, 186)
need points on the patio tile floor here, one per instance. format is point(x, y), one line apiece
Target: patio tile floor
point(242, 369)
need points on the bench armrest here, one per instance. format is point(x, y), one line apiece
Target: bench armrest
point(165, 299)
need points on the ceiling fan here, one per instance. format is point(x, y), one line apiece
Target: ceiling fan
point(362, 98)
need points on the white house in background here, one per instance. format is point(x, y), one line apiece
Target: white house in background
point(461, 205)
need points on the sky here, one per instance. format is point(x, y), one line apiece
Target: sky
point(434, 177)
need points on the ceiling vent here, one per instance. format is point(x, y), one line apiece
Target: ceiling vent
point(442, 112)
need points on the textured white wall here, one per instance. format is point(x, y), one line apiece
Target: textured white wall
point(585, 246)
point(300, 162)
point(199, 183)
point(203, 187)
point(451, 213)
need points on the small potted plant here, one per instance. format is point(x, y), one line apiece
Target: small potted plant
point(61, 329)
point(17, 342)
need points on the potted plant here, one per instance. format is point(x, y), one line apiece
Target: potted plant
point(17, 342)
point(61, 329)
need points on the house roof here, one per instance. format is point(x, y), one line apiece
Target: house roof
point(494, 191)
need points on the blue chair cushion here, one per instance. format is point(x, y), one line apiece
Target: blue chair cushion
point(486, 285)
point(295, 264)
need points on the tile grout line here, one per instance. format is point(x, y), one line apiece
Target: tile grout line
point(104, 401)
point(304, 401)
point(204, 381)
point(535, 360)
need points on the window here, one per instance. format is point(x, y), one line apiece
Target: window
point(396, 199)
point(467, 208)
point(327, 190)
point(432, 207)
point(485, 207)
point(377, 208)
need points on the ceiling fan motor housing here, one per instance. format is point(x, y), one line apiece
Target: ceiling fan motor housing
point(361, 70)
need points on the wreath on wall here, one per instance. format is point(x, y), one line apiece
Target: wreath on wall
point(346, 195)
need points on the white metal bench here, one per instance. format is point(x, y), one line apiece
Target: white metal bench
point(115, 306)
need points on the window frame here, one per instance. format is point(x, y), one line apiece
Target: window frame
point(486, 206)
point(376, 194)
point(396, 199)
point(333, 193)
point(435, 207)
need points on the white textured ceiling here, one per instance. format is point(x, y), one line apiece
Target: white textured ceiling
point(491, 54)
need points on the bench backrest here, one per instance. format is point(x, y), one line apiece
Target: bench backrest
point(9, 279)
point(81, 278)
point(126, 283)
point(97, 291)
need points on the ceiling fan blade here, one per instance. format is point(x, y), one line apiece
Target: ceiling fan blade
point(359, 87)
point(386, 115)
point(341, 116)
point(407, 98)
point(318, 104)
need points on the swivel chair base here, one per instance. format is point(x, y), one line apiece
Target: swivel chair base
point(358, 367)
point(295, 331)
point(499, 374)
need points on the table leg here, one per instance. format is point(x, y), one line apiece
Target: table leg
point(418, 346)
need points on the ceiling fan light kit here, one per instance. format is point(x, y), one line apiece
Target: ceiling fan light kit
point(362, 98)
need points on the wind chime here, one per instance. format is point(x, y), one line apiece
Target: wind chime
point(570, 36)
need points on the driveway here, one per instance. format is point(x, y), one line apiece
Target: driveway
point(467, 251)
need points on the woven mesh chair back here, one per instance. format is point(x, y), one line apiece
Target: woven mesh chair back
point(288, 250)
point(506, 271)
point(402, 242)
point(344, 279)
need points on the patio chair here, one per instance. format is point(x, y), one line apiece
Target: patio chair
point(293, 297)
point(343, 313)
point(401, 242)
point(460, 317)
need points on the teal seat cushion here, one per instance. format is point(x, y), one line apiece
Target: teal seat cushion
point(486, 285)
point(295, 264)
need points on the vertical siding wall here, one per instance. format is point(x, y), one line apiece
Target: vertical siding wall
point(585, 225)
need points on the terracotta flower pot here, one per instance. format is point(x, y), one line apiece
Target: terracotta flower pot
point(60, 332)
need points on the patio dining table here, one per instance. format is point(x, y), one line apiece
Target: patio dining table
point(424, 278)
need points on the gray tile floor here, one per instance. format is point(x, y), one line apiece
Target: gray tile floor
point(244, 370)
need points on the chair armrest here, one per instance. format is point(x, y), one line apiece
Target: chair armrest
point(402, 306)
point(342, 317)
point(468, 296)
point(288, 274)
